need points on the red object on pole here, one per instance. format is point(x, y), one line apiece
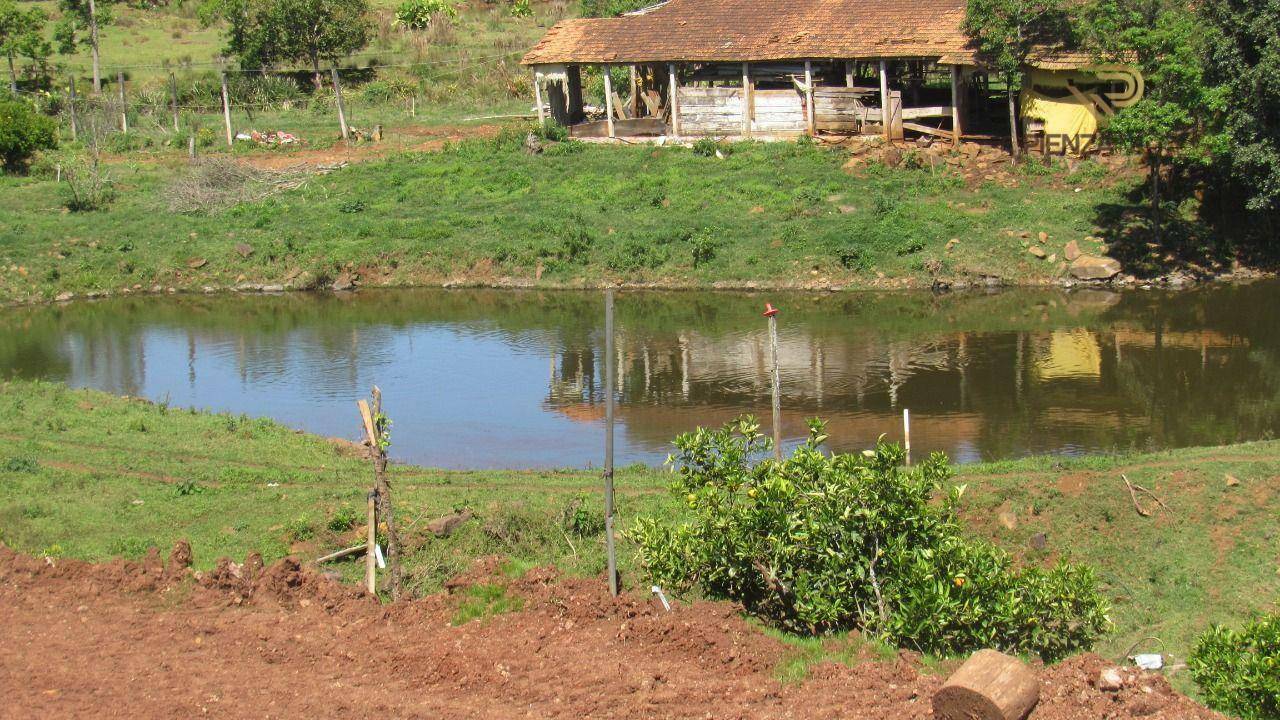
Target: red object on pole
point(770, 310)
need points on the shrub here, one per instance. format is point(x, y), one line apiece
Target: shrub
point(421, 14)
point(819, 543)
point(22, 133)
point(1239, 670)
point(582, 518)
point(704, 244)
point(89, 185)
point(21, 465)
point(344, 519)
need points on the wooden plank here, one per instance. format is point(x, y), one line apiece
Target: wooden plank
point(895, 115)
point(927, 130)
point(923, 112)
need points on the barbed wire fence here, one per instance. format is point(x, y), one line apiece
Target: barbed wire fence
point(215, 103)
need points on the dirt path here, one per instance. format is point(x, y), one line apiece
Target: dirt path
point(143, 640)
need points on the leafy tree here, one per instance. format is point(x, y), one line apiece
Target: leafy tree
point(81, 20)
point(1010, 32)
point(262, 33)
point(22, 35)
point(1166, 40)
point(1242, 59)
point(612, 8)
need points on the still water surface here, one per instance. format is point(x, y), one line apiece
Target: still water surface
point(489, 378)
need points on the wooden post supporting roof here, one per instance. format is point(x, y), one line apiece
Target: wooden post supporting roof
point(885, 110)
point(537, 98)
point(808, 98)
point(848, 73)
point(635, 92)
point(956, 128)
point(675, 106)
point(746, 98)
point(608, 99)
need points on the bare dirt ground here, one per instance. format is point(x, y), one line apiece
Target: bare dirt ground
point(152, 639)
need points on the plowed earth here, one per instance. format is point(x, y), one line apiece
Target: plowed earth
point(152, 639)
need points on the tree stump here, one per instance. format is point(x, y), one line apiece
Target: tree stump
point(988, 686)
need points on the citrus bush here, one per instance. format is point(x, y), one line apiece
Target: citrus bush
point(23, 131)
point(823, 542)
point(1239, 670)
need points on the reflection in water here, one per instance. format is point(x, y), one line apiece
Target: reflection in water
point(513, 378)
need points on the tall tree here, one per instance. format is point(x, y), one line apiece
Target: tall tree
point(1008, 33)
point(1166, 40)
point(1242, 59)
point(22, 35)
point(264, 33)
point(79, 26)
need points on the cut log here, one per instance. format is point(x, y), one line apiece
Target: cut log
point(988, 686)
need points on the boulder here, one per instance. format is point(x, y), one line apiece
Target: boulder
point(344, 281)
point(1036, 251)
point(891, 157)
point(1071, 251)
point(1095, 267)
point(1110, 679)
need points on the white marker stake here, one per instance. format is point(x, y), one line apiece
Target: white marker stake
point(906, 432)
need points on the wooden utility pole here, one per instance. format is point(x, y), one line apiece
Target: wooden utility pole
point(612, 559)
point(771, 312)
point(124, 106)
point(337, 96)
point(226, 108)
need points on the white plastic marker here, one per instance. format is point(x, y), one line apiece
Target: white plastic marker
point(658, 591)
point(377, 553)
point(906, 432)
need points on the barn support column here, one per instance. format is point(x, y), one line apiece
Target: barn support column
point(608, 99)
point(956, 98)
point(537, 98)
point(848, 73)
point(808, 98)
point(635, 92)
point(672, 91)
point(885, 110)
point(747, 101)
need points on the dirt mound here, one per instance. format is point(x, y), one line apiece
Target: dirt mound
point(150, 639)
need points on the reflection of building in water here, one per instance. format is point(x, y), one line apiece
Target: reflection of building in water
point(1047, 390)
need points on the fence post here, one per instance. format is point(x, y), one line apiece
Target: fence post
point(371, 542)
point(608, 442)
point(226, 108)
point(75, 123)
point(771, 312)
point(173, 97)
point(124, 107)
point(337, 96)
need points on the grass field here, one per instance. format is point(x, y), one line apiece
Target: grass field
point(486, 212)
point(88, 475)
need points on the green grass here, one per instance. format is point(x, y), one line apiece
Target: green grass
point(93, 476)
point(484, 600)
point(484, 211)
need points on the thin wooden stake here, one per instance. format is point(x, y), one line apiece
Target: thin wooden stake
point(341, 553)
point(612, 560)
point(226, 108)
point(906, 432)
point(75, 123)
point(337, 96)
point(370, 559)
point(173, 98)
point(191, 147)
point(124, 108)
point(772, 313)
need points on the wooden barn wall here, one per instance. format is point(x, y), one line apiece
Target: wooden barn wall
point(778, 111)
point(710, 111)
point(842, 109)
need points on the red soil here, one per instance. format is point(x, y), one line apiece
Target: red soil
point(153, 640)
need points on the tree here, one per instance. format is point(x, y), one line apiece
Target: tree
point(1242, 60)
point(1008, 33)
point(80, 22)
point(22, 35)
point(1166, 40)
point(262, 33)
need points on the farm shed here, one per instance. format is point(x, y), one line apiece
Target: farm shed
point(748, 68)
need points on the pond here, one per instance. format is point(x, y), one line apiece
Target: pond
point(514, 379)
